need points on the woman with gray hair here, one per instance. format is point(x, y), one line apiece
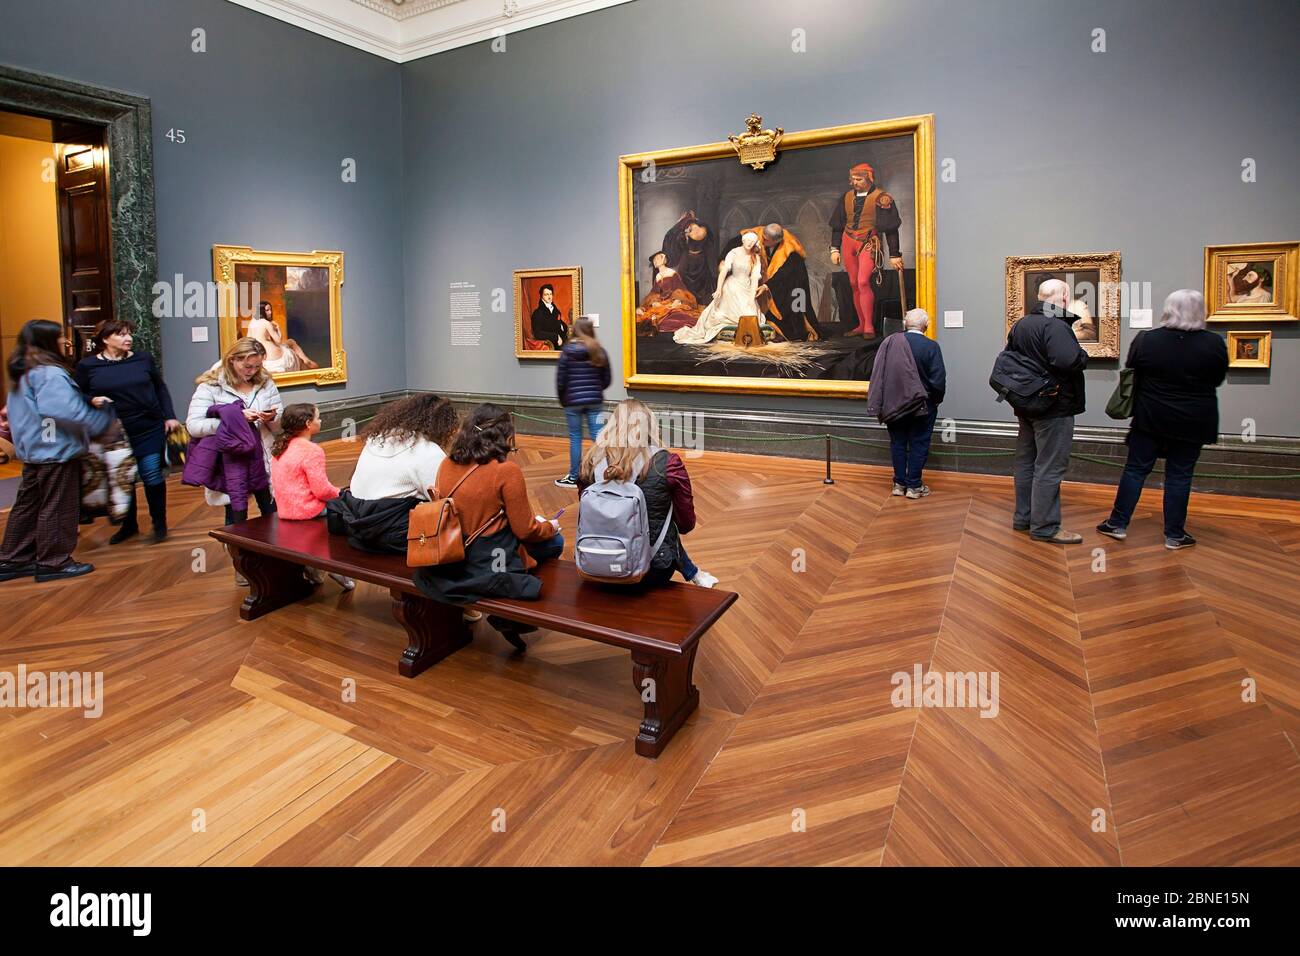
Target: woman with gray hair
point(1175, 412)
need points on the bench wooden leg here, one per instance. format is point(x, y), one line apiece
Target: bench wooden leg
point(433, 630)
point(669, 697)
point(272, 583)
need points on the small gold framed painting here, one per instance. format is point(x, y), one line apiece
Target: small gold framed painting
point(547, 303)
point(1250, 283)
point(1250, 349)
point(291, 302)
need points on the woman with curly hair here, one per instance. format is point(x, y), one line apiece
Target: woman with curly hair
point(398, 465)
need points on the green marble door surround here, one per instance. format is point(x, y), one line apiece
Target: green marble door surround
point(128, 121)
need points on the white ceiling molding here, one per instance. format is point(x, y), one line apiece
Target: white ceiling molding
point(402, 30)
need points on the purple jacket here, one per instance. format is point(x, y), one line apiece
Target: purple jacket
point(896, 390)
point(230, 460)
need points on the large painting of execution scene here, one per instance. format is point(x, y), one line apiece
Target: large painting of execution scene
point(781, 279)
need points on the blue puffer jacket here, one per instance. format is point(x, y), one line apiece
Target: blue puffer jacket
point(577, 381)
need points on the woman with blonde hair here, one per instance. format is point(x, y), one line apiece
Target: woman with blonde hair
point(238, 377)
point(628, 447)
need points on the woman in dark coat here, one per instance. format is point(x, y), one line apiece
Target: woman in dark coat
point(144, 406)
point(1175, 412)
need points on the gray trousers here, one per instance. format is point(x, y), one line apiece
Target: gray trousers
point(1042, 455)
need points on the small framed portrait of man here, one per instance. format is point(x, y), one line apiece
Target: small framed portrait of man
point(1250, 349)
point(1094, 304)
point(547, 301)
point(1247, 283)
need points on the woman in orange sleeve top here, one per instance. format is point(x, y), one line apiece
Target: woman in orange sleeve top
point(508, 536)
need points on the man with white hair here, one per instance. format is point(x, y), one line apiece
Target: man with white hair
point(1045, 335)
point(909, 438)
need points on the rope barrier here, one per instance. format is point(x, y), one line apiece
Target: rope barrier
point(870, 442)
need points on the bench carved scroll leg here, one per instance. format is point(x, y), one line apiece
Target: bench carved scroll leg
point(433, 630)
point(272, 583)
point(665, 686)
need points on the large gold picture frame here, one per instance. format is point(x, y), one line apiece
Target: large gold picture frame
point(1279, 260)
point(567, 281)
point(325, 346)
point(1077, 269)
point(920, 128)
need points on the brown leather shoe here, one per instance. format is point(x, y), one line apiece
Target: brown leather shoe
point(1061, 537)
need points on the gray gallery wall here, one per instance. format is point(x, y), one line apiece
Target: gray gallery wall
point(510, 158)
point(269, 113)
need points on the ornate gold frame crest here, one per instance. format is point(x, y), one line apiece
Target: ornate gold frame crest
point(224, 260)
point(756, 147)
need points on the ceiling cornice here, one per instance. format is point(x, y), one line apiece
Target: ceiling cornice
point(427, 27)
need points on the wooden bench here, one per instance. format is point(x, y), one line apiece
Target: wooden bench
point(662, 627)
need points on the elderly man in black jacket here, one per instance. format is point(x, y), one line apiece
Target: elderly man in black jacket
point(1043, 444)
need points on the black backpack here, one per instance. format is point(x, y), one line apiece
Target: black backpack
point(1023, 384)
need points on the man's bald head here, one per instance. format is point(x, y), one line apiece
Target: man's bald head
point(1054, 291)
point(772, 233)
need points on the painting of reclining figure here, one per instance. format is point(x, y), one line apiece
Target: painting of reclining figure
point(781, 279)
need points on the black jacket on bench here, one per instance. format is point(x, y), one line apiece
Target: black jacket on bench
point(466, 581)
point(377, 525)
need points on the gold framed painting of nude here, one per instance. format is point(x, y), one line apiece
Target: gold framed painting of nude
point(1094, 281)
point(547, 302)
point(779, 280)
point(1253, 283)
point(291, 302)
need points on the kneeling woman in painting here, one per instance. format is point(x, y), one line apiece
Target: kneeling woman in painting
point(492, 502)
point(629, 447)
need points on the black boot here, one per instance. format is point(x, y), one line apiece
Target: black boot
point(156, 495)
point(128, 528)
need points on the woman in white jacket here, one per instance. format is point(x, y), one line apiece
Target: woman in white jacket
point(238, 377)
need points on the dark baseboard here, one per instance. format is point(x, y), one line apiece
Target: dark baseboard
point(1231, 467)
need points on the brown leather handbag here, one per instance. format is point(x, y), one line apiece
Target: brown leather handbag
point(434, 534)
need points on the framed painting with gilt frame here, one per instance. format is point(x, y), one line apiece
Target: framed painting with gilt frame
point(1094, 281)
point(684, 212)
point(551, 300)
point(291, 302)
point(1250, 349)
point(1253, 283)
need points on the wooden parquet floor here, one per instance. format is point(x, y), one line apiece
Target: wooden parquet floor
point(1148, 706)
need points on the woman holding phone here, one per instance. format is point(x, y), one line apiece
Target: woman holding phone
point(238, 377)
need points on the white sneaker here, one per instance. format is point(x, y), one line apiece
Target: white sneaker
point(898, 491)
point(703, 579)
point(473, 617)
point(343, 581)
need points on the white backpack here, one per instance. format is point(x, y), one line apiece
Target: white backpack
point(614, 543)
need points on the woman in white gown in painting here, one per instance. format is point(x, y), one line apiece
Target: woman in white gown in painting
point(739, 277)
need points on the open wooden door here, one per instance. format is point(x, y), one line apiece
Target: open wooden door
point(85, 246)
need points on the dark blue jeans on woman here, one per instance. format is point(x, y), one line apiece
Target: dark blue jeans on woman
point(1180, 460)
point(574, 415)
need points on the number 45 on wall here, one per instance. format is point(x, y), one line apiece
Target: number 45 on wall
point(176, 135)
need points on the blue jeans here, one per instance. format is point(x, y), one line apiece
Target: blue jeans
point(575, 414)
point(1180, 460)
point(688, 567)
point(151, 469)
point(550, 548)
point(909, 447)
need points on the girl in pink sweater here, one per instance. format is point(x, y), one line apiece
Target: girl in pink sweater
point(298, 478)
